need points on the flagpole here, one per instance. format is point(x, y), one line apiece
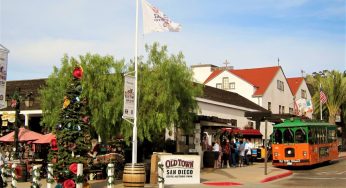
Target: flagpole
point(134, 131)
point(320, 102)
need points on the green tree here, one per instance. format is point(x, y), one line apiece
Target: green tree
point(72, 130)
point(334, 86)
point(166, 93)
point(102, 86)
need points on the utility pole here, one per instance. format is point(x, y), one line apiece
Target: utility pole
point(265, 147)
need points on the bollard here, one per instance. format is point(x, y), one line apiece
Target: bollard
point(79, 173)
point(36, 176)
point(3, 173)
point(110, 174)
point(50, 179)
point(14, 176)
point(161, 180)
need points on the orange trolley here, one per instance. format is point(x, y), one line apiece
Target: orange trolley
point(299, 142)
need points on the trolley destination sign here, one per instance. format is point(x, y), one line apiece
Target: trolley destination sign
point(181, 169)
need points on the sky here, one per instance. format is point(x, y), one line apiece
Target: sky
point(305, 35)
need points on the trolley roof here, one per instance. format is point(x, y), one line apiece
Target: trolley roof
point(302, 123)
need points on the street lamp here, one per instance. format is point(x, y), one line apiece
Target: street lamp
point(29, 100)
point(15, 103)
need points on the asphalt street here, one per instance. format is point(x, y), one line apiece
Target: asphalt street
point(324, 175)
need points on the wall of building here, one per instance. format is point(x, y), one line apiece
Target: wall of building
point(278, 97)
point(242, 87)
point(223, 113)
point(299, 99)
point(202, 72)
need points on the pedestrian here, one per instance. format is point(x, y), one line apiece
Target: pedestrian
point(247, 151)
point(216, 148)
point(232, 153)
point(241, 153)
point(226, 154)
point(237, 145)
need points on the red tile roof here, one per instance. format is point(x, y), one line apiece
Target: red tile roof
point(213, 75)
point(294, 83)
point(258, 77)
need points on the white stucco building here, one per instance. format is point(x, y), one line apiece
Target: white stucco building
point(302, 97)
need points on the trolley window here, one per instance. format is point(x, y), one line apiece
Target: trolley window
point(300, 136)
point(288, 136)
point(277, 137)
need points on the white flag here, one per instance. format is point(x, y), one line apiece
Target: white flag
point(156, 21)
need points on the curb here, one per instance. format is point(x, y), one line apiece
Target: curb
point(271, 178)
point(221, 183)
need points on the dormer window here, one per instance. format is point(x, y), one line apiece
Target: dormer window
point(225, 83)
point(232, 85)
point(303, 93)
point(219, 85)
point(280, 85)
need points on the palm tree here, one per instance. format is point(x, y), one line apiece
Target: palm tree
point(334, 86)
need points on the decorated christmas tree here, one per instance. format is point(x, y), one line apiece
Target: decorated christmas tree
point(72, 134)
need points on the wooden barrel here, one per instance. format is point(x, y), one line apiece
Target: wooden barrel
point(208, 159)
point(134, 175)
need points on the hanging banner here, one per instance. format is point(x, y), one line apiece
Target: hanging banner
point(3, 75)
point(129, 97)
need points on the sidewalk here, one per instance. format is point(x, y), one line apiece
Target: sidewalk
point(242, 175)
point(248, 175)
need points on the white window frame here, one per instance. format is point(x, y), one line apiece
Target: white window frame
point(225, 83)
point(232, 85)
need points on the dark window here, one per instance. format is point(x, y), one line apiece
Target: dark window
point(300, 136)
point(288, 136)
point(277, 136)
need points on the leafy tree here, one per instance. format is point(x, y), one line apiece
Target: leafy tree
point(102, 86)
point(334, 86)
point(166, 93)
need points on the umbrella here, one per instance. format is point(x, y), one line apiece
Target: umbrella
point(23, 135)
point(45, 139)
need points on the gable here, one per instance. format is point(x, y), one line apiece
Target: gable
point(294, 84)
point(213, 75)
point(258, 77)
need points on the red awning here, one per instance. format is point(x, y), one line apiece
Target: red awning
point(251, 132)
point(45, 139)
point(245, 132)
point(23, 135)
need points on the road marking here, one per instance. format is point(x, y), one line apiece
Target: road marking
point(341, 172)
point(315, 178)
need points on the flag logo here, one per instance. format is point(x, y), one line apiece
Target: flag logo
point(156, 21)
point(323, 97)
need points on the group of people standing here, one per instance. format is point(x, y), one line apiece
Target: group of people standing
point(234, 153)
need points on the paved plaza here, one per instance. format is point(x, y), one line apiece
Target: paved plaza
point(248, 175)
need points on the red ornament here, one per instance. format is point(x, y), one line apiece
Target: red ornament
point(69, 184)
point(85, 119)
point(73, 168)
point(53, 144)
point(13, 103)
point(78, 72)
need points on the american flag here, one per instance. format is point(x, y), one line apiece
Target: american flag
point(323, 97)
